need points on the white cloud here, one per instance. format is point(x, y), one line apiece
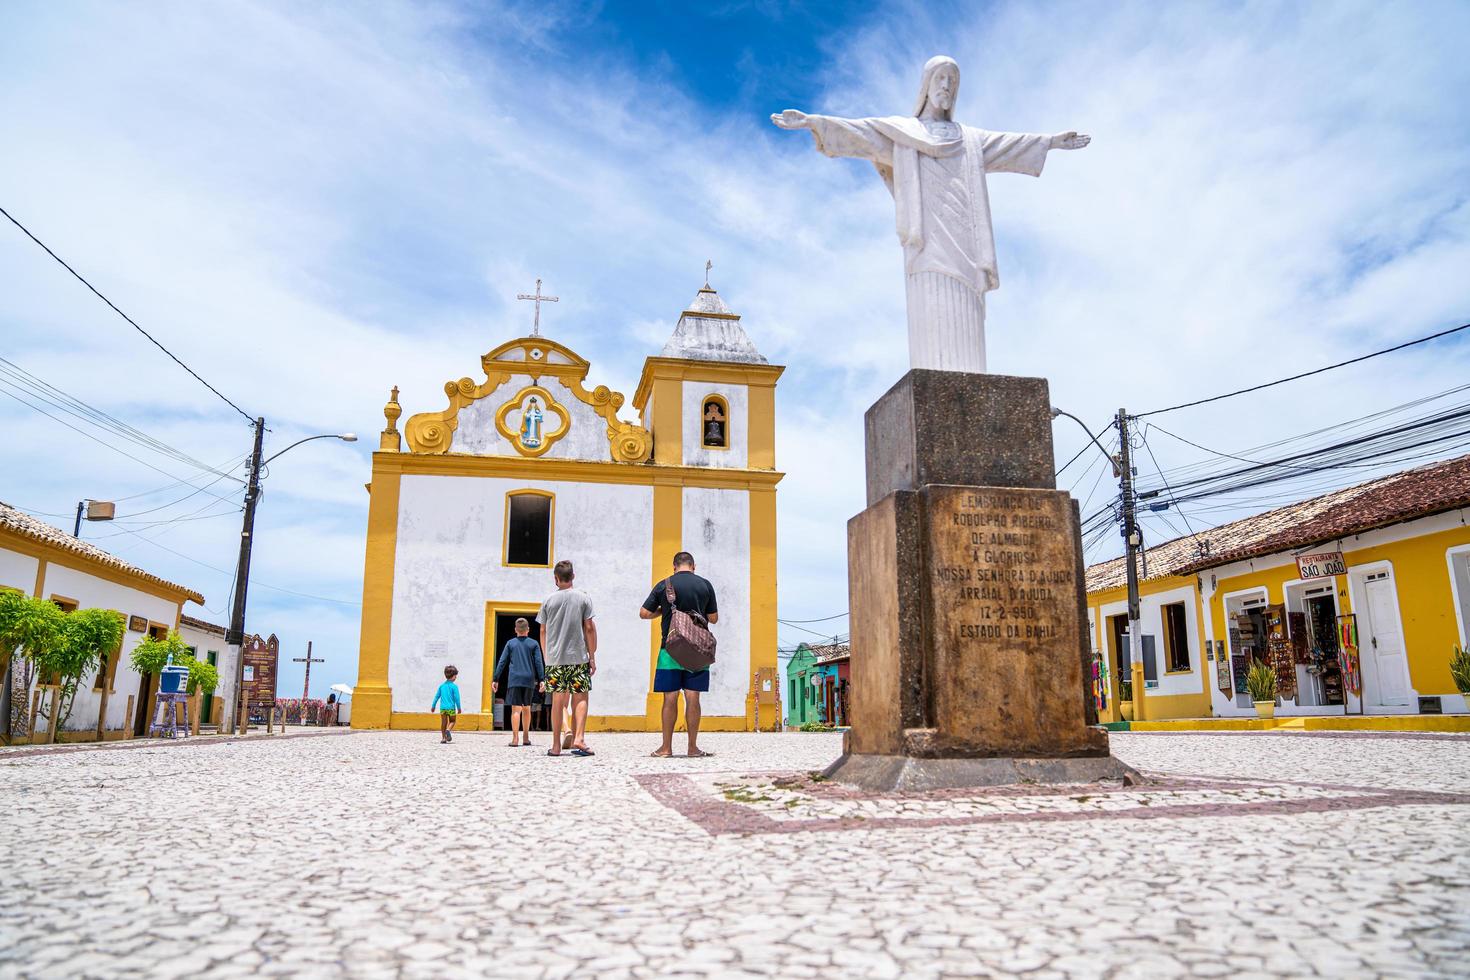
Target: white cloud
point(311, 205)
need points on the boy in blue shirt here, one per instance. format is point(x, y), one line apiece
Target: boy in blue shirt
point(446, 702)
point(522, 664)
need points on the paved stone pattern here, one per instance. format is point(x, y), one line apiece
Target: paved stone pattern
point(388, 854)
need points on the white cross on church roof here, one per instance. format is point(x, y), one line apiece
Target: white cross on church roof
point(539, 299)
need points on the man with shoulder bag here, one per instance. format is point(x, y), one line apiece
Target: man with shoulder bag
point(686, 604)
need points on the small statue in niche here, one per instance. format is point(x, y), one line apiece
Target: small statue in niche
point(531, 418)
point(714, 425)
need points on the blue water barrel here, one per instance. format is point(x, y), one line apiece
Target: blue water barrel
point(174, 680)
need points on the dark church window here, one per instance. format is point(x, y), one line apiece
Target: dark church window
point(715, 422)
point(528, 528)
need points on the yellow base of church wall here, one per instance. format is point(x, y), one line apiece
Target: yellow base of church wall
point(423, 721)
point(371, 708)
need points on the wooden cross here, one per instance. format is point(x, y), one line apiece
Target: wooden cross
point(308, 660)
point(539, 299)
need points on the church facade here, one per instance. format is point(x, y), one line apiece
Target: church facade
point(472, 505)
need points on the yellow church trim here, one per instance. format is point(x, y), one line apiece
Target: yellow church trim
point(763, 609)
point(433, 432)
point(487, 675)
point(760, 437)
point(372, 698)
point(571, 470)
point(681, 369)
point(505, 561)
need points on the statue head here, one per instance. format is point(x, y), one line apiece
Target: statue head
point(940, 86)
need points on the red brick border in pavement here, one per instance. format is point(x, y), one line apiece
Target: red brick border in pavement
point(717, 816)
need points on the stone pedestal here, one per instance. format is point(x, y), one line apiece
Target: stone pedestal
point(968, 612)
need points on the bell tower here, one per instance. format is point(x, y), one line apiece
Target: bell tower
point(709, 401)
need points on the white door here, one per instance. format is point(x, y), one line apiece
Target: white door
point(1385, 641)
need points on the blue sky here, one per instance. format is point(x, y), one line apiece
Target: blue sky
point(311, 204)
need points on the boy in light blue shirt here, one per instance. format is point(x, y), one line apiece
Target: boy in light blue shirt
point(446, 702)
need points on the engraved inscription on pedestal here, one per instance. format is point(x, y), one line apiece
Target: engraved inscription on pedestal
point(1004, 622)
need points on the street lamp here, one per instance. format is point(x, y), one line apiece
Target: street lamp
point(236, 633)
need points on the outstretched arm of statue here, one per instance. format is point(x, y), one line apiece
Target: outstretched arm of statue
point(1070, 141)
point(838, 137)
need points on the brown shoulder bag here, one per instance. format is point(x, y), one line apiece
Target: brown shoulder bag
point(689, 642)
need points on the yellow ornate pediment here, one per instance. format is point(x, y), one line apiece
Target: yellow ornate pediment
point(433, 432)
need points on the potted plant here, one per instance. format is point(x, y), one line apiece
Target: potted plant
point(1260, 682)
point(1125, 700)
point(1460, 669)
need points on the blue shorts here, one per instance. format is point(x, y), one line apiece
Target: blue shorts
point(669, 679)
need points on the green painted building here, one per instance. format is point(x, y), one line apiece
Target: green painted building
point(816, 684)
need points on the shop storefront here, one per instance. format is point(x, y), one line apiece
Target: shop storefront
point(1357, 598)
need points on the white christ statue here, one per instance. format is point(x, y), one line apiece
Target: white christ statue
point(935, 168)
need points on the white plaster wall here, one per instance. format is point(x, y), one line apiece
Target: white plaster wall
point(448, 566)
point(1151, 623)
point(229, 656)
point(92, 592)
point(586, 439)
point(17, 571)
point(716, 532)
point(1151, 616)
point(695, 454)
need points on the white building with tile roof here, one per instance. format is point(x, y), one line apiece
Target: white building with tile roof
point(40, 560)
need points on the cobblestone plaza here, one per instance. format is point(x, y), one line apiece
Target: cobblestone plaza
point(377, 854)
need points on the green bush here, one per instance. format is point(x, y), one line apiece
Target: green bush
point(151, 656)
point(1260, 681)
point(1460, 669)
point(1125, 690)
point(58, 647)
point(816, 726)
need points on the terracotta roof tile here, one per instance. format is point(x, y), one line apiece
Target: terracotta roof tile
point(1392, 499)
point(828, 652)
point(26, 526)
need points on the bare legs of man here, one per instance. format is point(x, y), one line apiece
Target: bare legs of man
point(670, 717)
point(558, 710)
point(579, 722)
point(692, 715)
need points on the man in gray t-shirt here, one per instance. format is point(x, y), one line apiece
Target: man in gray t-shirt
point(569, 641)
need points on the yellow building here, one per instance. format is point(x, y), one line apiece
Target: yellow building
point(529, 466)
point(1358, 597)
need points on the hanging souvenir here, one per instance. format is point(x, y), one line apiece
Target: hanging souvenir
point(1347, 635)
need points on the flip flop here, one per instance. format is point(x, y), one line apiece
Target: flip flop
point(660, 755)
point(554, 755)
point(700, 754)
point(583, 752)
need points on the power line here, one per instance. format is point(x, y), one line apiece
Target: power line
point(825, 636)
point(793, 622)
point(1306, 374)
point(1160, 470)
point(89, 435)
point(120, 313)
point(225, 571)
point(17, 377)
point(1459, 414)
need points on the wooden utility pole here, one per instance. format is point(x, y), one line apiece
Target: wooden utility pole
point(236, 634)
point(1131, 539)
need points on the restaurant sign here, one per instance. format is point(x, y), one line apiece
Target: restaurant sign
point(1324, 564)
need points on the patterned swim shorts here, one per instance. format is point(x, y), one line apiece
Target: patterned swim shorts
point(570, 679)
